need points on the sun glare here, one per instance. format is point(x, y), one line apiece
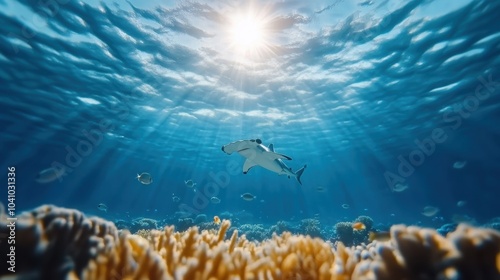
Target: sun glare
point(247, 35)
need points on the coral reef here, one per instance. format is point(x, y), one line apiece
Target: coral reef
point(310, 227)
point(280, 227)
point(207, 226)
point(62, 243)
point(416, 253)
point(493, 226)
point(143, 223)
point(226, 215)
point(345, 233)
point(122, 224)
point(254, 232)
point(182, 215)
point(366, 220)
point(447, 228)
point(201, 218)
point(144, 233)
point(53, 242)
point(184, 224)
point(361, 236)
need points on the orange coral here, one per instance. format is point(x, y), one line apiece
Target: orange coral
point(69, 245)
point(498, 262)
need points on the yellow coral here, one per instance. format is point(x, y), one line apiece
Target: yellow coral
point(144, 233)
point(498, 263)
point(65, 236)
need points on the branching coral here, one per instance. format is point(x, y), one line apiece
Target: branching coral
point(478, 251)
point(130, 258)
point(144, 233)
point(416, 253)
point(60, 243)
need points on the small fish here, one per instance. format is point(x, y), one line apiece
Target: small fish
point(459, 164)
point(379, 236)
point(399, 187)
point(430, 211)
point(262, 201)
point(215, 200)
point(248, 196)
point(216, 220)
point(145, 178)
point(320, 189)
point(176, 199)
point(102, 207)
point(345, 206)
point(189, 183)
point(461, 203)
point(49, 175)
point(358, 226)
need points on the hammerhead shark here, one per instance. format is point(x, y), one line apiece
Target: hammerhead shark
point(258, 154)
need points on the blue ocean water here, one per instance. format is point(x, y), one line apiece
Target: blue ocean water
point(368, 94)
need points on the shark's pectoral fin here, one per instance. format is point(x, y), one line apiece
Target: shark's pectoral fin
point(247, 165)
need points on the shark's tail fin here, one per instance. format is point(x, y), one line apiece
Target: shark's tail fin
point(299, 173)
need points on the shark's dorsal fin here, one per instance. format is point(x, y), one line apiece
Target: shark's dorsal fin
point(271, 147)
point(247, 165)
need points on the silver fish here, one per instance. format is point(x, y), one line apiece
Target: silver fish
point(145, 178)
